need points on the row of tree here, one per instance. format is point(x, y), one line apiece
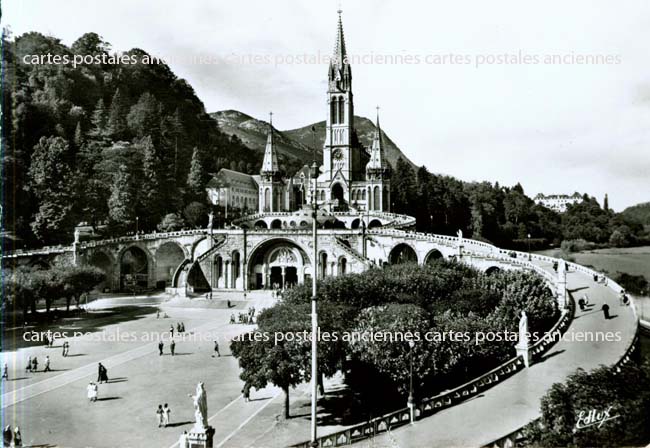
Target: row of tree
point(102, 143)
point(505, 216)
point(26, 287)
point(401, 299)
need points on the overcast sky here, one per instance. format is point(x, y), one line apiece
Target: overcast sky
point(554, 127)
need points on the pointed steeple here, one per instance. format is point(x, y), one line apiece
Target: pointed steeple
point(270, 163)
point(376, 150)
point(339, 49)
point(340, 73)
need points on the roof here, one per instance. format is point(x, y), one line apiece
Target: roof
point(228, 178)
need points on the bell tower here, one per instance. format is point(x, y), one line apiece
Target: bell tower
point(338, 154)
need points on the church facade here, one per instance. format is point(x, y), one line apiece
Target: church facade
point(350, 178)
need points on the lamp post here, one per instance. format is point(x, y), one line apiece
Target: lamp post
point(137, 222)
point(210, 258)
point(314, 315)
point(409, 402)
point(528, 240)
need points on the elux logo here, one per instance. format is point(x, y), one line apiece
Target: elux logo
point(594, 417)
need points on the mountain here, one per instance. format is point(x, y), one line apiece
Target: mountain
point(365, 131)
point(253, 132)
point(298, 143)
point(639, 213)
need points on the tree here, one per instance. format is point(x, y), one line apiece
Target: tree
point(170, 222)
point(196, 214)
point(50, 180)
point(121, 203)
point(78, 136)
point(149, 195)
point(403, 187)
point(116, 122)
point(390, 357)
point(626, 393)
point(263, 361)
point(98, 120)
point(144, 117)
point(196, 177)
point(78, 280)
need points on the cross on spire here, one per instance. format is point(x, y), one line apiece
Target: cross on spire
point(271, 118)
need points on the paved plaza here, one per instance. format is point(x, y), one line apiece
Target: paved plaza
point(52, 408)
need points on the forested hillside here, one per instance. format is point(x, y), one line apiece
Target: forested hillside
point(101, 142)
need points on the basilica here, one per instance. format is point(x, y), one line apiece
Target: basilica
point(349, 178)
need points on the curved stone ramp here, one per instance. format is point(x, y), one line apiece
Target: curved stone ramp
point(515, 402)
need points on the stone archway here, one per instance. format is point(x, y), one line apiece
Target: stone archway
point(134, 263)
point(105, 263)
point(432, 256)
point(169, 257)
point(492, 270)
point(402, 253)
point(277, 262)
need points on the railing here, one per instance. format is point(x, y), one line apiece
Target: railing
point(353, 253)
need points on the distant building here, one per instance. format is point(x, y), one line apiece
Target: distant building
point(232, 189)
point(557, 202)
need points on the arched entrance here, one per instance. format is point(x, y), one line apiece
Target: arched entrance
point(102, 261)
point(337, 193)
point(277, 263)
point(134, 269)
point(402, 253)
point(168, 257)
point(432, 256)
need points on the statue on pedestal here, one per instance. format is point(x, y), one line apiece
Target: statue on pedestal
point(523, 330)
point(200, 409)
point(561, 271)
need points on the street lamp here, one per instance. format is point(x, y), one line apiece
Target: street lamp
point(211, 263)
point(137, 221)
point(528, 239)
point(409, 401)
point(314, 315)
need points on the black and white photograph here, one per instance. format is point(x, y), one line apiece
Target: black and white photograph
point(325, 223)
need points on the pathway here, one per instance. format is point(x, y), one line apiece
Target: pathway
point(516, 401)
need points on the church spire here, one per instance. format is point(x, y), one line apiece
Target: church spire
point(340, 73)
point(270, 163)
point(377, 165)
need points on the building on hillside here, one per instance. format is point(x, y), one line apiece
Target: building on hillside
point(235, 190)
point(557, 202)
point(350, 178)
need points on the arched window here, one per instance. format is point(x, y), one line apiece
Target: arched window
point(267, 200)
point(363, 194)
point(341, 113)
point(376, 201)
point(333, 108)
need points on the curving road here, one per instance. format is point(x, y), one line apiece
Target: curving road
point(516, 401)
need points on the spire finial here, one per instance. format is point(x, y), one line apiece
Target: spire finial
point(377, 107)
point(271, 118)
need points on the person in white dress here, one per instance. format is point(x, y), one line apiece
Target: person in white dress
point(92, 391)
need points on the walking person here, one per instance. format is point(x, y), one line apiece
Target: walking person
point(91, 392)
point(7, 436)
point(159, 415)
point(172, 347)
point(28, 368)
point(166, 414)
point(66, 347)
point(605, 309)
point(5, 372)
point(216, 349)
point(161, 345)
point(102, 374)
point(621, 297)
point(18, 438)
point(246, 392)
point(47, 364)
point(171, 331)
point(35, 364)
